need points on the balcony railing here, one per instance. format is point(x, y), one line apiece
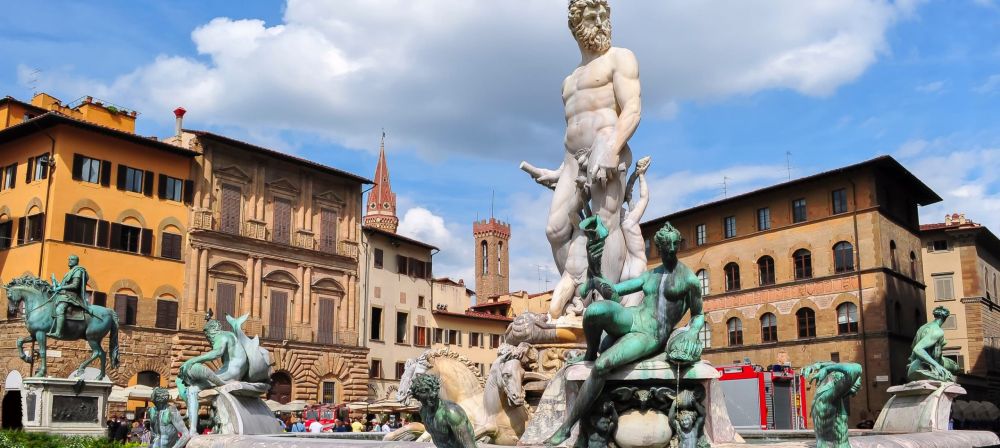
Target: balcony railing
point(207, 220)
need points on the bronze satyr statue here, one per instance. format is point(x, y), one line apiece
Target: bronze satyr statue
point(446, 421)
point(640, 332)
point(926, 360)
point(836, 382)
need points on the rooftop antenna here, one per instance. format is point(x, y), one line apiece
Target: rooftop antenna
point(33, 80)
point(788, 163)
point(725, 187)
point(493, 198)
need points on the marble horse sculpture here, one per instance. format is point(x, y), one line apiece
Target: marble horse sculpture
point(503, 397)
point(460, 383)
point(92, 324)
point(836, 383)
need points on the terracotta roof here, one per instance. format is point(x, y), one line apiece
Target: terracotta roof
point(469, 314)
point(50, 119)
point(397, 236)
point(532, 296)
point(923, 194)
point(278, 154)
point(491, 304)
point(10, 99)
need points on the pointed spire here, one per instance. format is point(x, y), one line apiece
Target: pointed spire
point(381, 206)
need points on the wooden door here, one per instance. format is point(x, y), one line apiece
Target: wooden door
point(328, 231)
point(325, 334)
point(282, 221)
point(278, 316)
point(225, 303)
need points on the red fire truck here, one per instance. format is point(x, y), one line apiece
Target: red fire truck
point(764, 398)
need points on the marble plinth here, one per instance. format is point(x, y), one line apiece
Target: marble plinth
point(918, 406)
point(561, 392)
point(65, 406)
point(239, 409)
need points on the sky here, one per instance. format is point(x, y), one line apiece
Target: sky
point(736, 95)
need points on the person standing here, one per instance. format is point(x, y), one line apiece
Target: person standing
point(357, 426)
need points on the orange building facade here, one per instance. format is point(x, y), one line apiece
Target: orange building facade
point(99, 191)
point(821, 268)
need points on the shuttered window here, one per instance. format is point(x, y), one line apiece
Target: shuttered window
point(230, 219)
point(279, 315)
point(326, 319)
point(131, 239)
point(6, 234)
point(99, 298)
point(91, 170)
point(170, 188)
point(225, 303)
point(9, 176)
point(170, 246)
point(328, 231)
point(126, 306)
point(80, 230)
point(31, 228)
point(38, 168)
point(166, 314)
point(401, 262)
point(282, 221)
point(378, 257)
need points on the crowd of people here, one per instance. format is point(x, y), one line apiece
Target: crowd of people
point(299, 423)
point(124, 430)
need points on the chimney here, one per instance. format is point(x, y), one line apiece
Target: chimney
point(179, 114)
point(947, 219)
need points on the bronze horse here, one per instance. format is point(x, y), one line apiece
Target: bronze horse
point(36, 295)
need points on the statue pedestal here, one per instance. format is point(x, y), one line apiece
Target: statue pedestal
point(647, 381)
point(239, 409)
point(918, 406)
point(58, 406)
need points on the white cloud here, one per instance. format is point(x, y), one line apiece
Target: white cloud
point(989, 86)
point(912, 148)
point(459, 76)
point(931, 87)
point(964, 178)
point(985, 3)
point(456, 256)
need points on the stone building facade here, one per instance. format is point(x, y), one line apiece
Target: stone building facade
point(821, 268)
point(962, 268)
point(492, 268)
point(276, 237)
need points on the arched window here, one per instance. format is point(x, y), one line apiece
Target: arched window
point(803, 264)
point(847, 318)
point(843, 257)
point(805, 319)
point(735, 327)
point(148, 378)
point(486, 257)
point(768, 328)
point(703, 278)
point(732, 277)
point(500, 258)
point(892, 255)
point(913, 265)
point(765, 270)
point(705, 335)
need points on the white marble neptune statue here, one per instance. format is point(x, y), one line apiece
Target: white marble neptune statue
point(603, 106)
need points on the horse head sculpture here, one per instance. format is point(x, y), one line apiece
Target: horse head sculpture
point(509, 378)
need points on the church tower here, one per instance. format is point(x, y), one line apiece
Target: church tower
point(381, 211)
point(492, 261)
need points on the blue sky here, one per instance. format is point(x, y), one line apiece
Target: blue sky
point(467, 89)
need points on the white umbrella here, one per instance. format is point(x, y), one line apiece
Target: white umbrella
point(358, 405)
point(273, 405)
point(118, 394)
point(293, 406)
point(139, 392)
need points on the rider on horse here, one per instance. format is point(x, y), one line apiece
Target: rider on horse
point(71, 291)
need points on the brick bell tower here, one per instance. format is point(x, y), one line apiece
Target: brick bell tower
point(492, 261)
point(381, 208)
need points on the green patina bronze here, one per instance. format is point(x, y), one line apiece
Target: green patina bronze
point(836, 383)
point(166, 424)
point(242, 361)
point(640, 332)
point(445, 420)
point(926, 360)
point(60, 310)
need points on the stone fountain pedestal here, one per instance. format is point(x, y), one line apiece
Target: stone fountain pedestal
point(239, 409)
point(65, 406)
point(918, 406)
point(644, 424)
